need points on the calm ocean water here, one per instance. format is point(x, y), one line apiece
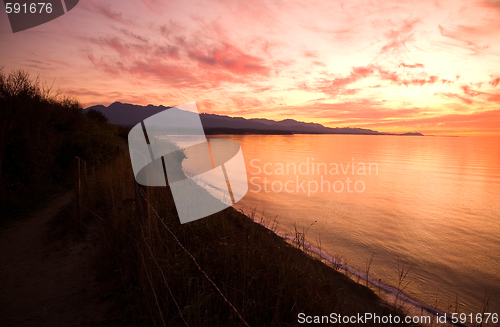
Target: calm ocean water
point(426, 205)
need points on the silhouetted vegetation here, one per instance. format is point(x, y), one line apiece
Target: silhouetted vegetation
point(268, 280)
point(40, 133)
point(97, 116)
point(223, 270)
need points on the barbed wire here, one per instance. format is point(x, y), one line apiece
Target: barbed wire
point(143, 195)
point(163, 275)
point(142, 256)
point(144, 263)
point(194, 260)
point(90, 161)
point(107, 222)
point(152, 288)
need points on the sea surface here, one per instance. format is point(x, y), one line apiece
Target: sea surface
point(425, 208)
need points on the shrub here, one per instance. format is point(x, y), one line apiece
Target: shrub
point(40, 133)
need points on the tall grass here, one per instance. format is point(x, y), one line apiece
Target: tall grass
point(223, 270)
point(40, 133)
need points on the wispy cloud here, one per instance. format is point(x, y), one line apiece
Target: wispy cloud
point(107, 11)
point(391, 64)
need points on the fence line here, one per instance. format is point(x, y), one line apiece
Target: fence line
point(78, 195)
point(110, 151)
point(197, 265)
point(162, 273)
point(109, 223)
point(142, 218)
point(81, 170)
point(80, 179)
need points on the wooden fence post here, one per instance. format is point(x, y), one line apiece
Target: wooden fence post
point(84, 171)
point(77, 188)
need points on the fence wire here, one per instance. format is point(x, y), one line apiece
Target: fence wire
point(107, 157)
point(194, 260)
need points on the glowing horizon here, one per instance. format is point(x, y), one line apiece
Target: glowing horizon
point(431, 67)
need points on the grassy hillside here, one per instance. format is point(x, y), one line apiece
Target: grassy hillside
point(223, 270)
point(40, 133)
point(195, 273)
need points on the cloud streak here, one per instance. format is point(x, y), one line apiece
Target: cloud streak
point(388, 64)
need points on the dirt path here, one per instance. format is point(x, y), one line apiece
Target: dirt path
point(46, 281)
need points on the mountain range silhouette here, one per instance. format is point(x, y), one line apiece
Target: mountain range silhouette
point(125, 114)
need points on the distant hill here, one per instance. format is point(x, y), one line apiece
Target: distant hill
point(125, 114)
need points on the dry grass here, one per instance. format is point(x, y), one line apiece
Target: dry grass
point(223, 270)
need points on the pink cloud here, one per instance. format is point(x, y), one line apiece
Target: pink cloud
point(336, 85)
point(107, 11)
point(453, 95)
point(494, 98)
point(470, 92)
point(181, 61)
point(398, 38)
point(170, 31)
point(402, 64)
point(255, 57)
point(467, 36)
point(134, 35)
point(349, 111)
point(479, 121)
point(123, 49)
point(495, 81)
point(242, 102)
point(319, 63)
point(230, 58)
point(310, 54)
point(491, 4)
point(389, 76)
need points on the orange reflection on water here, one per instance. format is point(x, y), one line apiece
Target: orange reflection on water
point(430, 203)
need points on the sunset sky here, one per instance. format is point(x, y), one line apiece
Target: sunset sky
point(392, 66)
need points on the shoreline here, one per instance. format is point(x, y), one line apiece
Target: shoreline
point(391, 293)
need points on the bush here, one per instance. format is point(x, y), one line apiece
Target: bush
point(40, 134)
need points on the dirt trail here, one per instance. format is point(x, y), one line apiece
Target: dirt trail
point(46, 281)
